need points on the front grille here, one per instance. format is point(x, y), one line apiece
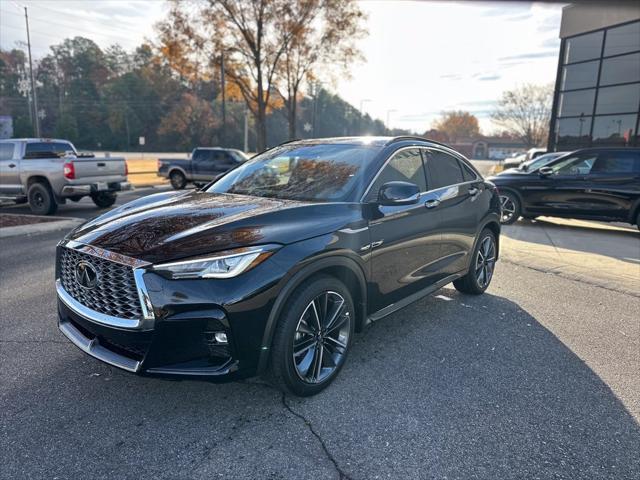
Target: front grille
point(115, 293)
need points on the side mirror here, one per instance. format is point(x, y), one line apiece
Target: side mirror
point(545, 171)
point(398, 193)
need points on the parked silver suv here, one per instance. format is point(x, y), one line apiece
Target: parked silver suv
point(48, 172)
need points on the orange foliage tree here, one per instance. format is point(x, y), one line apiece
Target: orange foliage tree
point(457, 125)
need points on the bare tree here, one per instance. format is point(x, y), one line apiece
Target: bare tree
point(524, 112)
point(326, 42)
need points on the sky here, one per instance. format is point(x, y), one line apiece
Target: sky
point(422, 57)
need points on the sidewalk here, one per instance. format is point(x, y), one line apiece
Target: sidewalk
point(599, 254)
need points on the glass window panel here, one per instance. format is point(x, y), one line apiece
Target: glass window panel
point(584, 47)
point(405, 166)
point(622, 39)
point(617, 161)
point(620, 69)
point(614, 130)
point(620, 99)
point(444, 169)
point(572, 133)
point(580, 75)
point(576, 103)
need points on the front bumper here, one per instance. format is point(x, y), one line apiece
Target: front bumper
point(72, 190)
point(178, 337)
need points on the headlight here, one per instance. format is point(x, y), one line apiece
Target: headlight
point(227, 264)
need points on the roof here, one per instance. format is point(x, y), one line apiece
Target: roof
point(380, 141)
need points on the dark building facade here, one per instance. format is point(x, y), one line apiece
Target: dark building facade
point(597, 92)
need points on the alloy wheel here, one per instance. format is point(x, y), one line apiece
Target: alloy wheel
point(38, 199)
point(322, 337)
point(485, 261)
point(508, 208)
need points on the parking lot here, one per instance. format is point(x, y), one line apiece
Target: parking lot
point(538, 378)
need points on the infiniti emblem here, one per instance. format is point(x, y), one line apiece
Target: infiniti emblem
point(86, 275)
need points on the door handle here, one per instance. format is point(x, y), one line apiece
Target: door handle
point(12, 165)
point(473, 191)
point(100, 164)
point(434, 202)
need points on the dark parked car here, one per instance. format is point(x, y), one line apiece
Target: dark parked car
point(593, 184)
point(204, 165)
point(275, 265)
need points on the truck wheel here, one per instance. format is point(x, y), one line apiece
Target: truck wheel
point(178, 180)
point(41, 199)
point(103, 199)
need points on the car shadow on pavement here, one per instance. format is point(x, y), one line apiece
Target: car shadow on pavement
point(452, 386)
point(621, 244)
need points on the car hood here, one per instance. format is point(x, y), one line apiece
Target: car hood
point(173, 225)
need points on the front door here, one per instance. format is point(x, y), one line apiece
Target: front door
point(202, 164)
point(404, 240)
point(564, 191)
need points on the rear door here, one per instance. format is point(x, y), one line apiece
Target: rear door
point(9, 168)
point(614, 183)
point(404, 239)
point(458, 191)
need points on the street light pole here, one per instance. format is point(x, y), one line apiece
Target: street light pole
point(362, 102)
point(224, 103)
point(36, 119)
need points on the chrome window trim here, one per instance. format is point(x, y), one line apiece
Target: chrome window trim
point(423, 147)
point(144, 323)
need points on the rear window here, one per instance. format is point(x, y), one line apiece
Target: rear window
point(444, 169)
point(617, 162)
point(43, 149)
point(6, 150)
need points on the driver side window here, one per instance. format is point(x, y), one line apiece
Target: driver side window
point(575, 166)
point(405, 166)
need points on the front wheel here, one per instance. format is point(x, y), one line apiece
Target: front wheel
point(313, 337)
point(103, 199)
point(510, 208)
point(483, 263)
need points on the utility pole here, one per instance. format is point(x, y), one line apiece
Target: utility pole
point(224, 103)
point(246, 128)
point(36, 119)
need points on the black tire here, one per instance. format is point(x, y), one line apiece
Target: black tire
point(178, 180)
point(511, 209)
point(41, 199)
point(103, 199)
point(288, 372)
point(472, 282)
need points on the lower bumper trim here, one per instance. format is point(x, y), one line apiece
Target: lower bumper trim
point(92, 347)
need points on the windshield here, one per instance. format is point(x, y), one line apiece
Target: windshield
point(540, 161)
point(323, 172)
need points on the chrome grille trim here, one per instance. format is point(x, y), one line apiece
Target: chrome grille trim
point(123, 303)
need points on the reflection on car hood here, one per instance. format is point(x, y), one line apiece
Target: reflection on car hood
point(173, 225)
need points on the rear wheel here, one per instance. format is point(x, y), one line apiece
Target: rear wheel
point(510, 208)
point(41, 200)
point(178, 180)
point(103, 199)
point(313, 337)
point(483, 263)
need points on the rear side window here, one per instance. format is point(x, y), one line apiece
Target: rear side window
point(617, 162)
point(405, 166)
point(6, 150)
point(45, 149)
point(468, 173)
point(444, 169)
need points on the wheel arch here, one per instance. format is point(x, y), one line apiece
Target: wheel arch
point(179, 169)
point(341, 267)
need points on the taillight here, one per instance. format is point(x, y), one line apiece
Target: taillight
point(126, 168)
point(69, 171)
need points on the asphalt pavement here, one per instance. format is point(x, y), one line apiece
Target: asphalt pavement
point(537, 378)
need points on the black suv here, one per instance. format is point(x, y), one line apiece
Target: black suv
point(591, 184)
point(273, 267)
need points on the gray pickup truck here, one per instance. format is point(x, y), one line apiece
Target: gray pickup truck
point(204, 165)
point(48, 172)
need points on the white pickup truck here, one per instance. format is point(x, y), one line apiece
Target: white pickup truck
point(48, 172)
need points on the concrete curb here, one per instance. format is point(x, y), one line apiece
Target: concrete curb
point(63, 223)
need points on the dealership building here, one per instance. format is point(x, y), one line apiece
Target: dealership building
point(597, 92)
